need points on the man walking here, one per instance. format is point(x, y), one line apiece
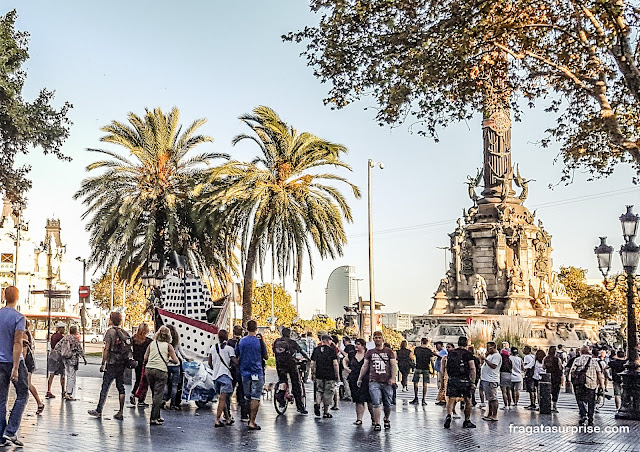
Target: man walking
point(56, 363)
point(380, 363)
point(441, 352)
point(221, 357)
point(117, 351)
point(616, 365)
point(285, 350)
point(461, 369)
point(489, 379)
point(586, 376)
point(423, 356)
point(237, 378)
point(12, 368)
point(252, 351)
point(324, 373)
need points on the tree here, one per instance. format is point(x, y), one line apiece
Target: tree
point(24, 124)
point(135, 299)
point(145, 206)
point(277, 204)
point(593, 302)
point(285, 312)
point(435, 61)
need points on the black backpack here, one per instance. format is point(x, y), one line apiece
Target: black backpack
point(579, 377)
point(456, 366)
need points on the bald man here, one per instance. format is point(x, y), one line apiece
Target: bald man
point(12, 367)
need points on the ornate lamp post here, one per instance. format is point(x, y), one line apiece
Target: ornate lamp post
point(152, 279)
point(629, 254)
point(372, 299)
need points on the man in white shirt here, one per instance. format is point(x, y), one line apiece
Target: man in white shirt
point(221, 356)
point(516, 375)
point(529, 383)
point(489, 380)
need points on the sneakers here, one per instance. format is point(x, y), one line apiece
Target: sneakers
point(95, 413)
point(132, 400)
point(316, 409)
point(468, 424)
point(447, 422)
point(302, 411)
point(414, 401)
point(16, 442)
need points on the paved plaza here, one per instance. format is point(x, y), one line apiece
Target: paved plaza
point(66, 426)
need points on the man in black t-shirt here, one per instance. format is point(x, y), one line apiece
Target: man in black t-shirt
point(617, 365)
point(461, 370)
point(423, 356)
point(324, 372)
point(285, 350)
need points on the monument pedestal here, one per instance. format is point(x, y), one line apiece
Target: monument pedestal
point(473, 310)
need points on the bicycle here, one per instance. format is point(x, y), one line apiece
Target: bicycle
point(288, 395)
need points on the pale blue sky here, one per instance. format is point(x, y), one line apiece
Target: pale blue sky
point(219, 60)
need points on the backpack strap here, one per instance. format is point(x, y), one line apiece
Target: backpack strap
point(162, 357)
point(220, 356)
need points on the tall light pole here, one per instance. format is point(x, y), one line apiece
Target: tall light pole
point(84, 305)
point(372, 299)
point(629, 255)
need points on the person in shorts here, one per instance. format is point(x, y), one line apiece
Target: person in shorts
point(251, 351)
point(221, 357)
point(461, 368)
point(529, 383)
point(516, 375)
point(616, 365)
point(505, 378)
point(380, 363)
point(324, 373)
point(490, 378)
point(423, 355)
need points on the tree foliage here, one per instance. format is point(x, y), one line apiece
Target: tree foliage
point(435, 62)
point(593, 302)
point(24, 124)
point(143, 204)
point(135, 301)
point(284, 309)
point(281, 204)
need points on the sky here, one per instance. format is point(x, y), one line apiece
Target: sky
point(218, 60)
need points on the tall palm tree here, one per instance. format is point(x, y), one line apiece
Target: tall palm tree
point(142, 204)
point(278, 204)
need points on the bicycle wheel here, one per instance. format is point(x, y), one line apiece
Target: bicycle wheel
point(280, 409)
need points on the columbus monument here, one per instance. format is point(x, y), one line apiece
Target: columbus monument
point(501, 254)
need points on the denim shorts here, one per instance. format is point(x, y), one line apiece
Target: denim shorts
point(253, 388)
point(381, 394)
point(224, 385)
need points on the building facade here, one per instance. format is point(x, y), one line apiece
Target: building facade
point(398, 321)
point(341, 290)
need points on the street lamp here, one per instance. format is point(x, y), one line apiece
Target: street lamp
point(84, 304)
point(372, 298)
point(629, 255)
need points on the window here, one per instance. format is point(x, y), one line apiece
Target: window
point(6, 258)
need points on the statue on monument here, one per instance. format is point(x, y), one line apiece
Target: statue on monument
point(544, 293)
point(480, 291)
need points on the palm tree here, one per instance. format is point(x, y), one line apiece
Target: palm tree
point(142, 204)
point(277, 204)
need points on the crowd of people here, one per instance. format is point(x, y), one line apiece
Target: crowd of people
point(368, 374)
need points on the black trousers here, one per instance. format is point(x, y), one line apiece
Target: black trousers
point(296, 388)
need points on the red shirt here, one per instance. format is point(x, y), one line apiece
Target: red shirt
point(55, 338)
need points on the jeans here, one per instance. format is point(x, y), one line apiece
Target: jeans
point(157, 380)
point(22, 396)
point(173, 392)
point(111, 372)
point(381, 394)
point(70, 369)
point(296, 387)
point(586, 399)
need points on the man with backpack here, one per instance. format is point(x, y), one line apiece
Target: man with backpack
point(586, 376)
point(461, 370)
point(115, 358)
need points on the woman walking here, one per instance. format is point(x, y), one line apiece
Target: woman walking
point(71, 351)
point(538, 369)
point(30, 362)
point(140, 344)
point(157, 358)
point(173, 392)
point(553, 367)
point(405, 362)
point(359, 395)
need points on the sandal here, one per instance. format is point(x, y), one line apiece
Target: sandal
point(230, 422)
point(327, 415)
point(357, 423)
point(219, 424)
point(40, 409)
point(376, 427)
point(387, 424)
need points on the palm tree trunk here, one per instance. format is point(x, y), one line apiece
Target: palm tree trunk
point(247, 289)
